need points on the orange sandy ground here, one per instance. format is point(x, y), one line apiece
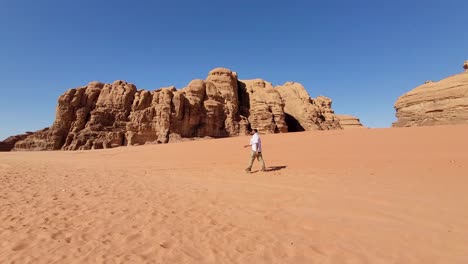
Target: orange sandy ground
point(395, 195)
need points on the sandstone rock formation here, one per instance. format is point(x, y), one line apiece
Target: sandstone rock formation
point(101, 115)
point(349, 121)
point(435, 103)
point(10, 142)
point(305, 113)
point(263, 106)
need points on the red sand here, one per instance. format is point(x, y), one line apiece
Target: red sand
point(395, 195)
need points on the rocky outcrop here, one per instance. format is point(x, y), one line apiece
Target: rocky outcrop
point(349, 121)
point(150, 116)
point(435, 103)
point(101, 115)
point(305, 113)
point(222, 103)
point(326, 116)
point(10, 142)
point(263, 107)
point(44, 139)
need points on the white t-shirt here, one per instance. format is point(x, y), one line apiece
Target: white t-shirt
point(256, 142)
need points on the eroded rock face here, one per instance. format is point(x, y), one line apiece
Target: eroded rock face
point(305, 113)
point(9, 143)
point(98, 116)
point(44, 139)
point(435, 103)
point(263, 106)
point(222, 103)
point(150, 117)
point(101, 115)
point(349, 121)
point(327, 118)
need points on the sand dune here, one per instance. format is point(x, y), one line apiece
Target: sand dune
point(356, 196)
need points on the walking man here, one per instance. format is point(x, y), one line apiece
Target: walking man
point(256, 144)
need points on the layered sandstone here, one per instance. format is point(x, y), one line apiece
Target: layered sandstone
point(435, 103)
point(349, 121)
point(101, 115)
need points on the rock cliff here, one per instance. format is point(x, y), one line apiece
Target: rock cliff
point(101, 115)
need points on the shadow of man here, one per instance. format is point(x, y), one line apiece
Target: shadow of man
point(275, 168)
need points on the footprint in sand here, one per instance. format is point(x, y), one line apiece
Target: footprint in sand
point(133, 237)
point(56, 235)
point(165, 245)
point(19, 246)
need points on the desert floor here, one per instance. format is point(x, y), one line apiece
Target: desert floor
point(395, 195)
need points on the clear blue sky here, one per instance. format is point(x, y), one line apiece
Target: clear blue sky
point(362, 54)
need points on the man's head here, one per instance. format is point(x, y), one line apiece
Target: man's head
point(253, 131)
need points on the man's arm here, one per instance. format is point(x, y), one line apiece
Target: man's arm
point(254, 144)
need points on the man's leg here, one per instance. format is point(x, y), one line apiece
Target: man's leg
point(260, 158)
point(252, 158)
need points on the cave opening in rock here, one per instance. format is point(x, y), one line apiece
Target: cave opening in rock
point(293, 123)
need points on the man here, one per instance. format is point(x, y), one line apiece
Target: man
point(256, 144)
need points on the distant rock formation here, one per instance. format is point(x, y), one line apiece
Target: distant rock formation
point(101, 115)
point(435, 103)
point(349, 121)
point(305, 113)
point(10, 142)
